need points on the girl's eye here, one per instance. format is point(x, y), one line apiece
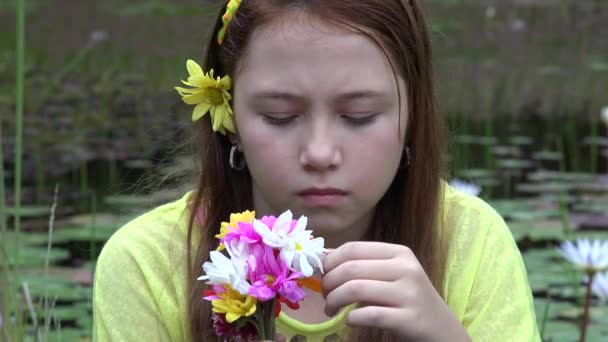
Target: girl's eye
point(358, 120)
point(278, 120)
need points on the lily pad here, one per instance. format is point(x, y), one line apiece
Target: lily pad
point(64, 313)
point(520, 140)
point(512, 151)
point(541, 214)
point(600, 141)
point(545, 175)
point(541, 230)
point(547, 155)
point(475, 140)
point(514, 163)
point(476, 173)
point(35, 256)
point(96, 233)
point(140, 201)
point(545, 187)
point(54, 287)
point(64, 335)
point(81, 275)
point(29, 211)
point(507, 206)
point(83, 220)
point(33, 239)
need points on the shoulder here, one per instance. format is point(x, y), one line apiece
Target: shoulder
point(152, 246)
point(485, 282)
point(477, 240)
point(152, 230)
point(470, 220)
point(139, 292)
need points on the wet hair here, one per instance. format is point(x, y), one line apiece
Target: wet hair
point(408, 213)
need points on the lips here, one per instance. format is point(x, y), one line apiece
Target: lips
point(322, 192)
point(322, 197)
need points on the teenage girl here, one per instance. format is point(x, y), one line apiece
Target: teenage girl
point(331, 113)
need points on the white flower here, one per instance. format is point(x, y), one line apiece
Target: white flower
point(490, 12)
point(587, 255)
point(232, 271)
point(604, 115)
point(600, 286)
point(466, 187)
point(299, 250)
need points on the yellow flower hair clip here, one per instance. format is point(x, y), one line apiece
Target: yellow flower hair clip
point(231, 8)
point(209, 95)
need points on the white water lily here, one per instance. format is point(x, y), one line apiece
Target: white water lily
point(600, 286)
point(466, 187)
point(299, 250)
point(228, 271)
point(587, 255)
point(604, 115)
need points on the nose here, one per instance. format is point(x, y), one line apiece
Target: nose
point(321, 149)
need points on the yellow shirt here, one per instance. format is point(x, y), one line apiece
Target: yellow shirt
point(140, 287)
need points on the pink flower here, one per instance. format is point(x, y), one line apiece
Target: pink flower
point(270, 220)
point(270, 276)
point(245, 233)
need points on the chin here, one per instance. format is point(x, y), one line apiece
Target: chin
point(327, 223)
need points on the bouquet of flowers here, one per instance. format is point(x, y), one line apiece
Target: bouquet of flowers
point(268, 262)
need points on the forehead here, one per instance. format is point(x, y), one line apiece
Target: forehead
point(304, 53)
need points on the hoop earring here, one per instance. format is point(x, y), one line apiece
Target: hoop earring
point(408, 157)
point(241, 165)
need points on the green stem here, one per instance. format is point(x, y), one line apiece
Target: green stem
point(572, 137)
point(545, 317)
point(489, 158)
point(8, 305)
point(565, 215)
point(47, 319)
point(84, 182)
point(260, 317)
point(19, 104)
point(93, 243)
point(585, 321)
point(39, 172)
point(271, 321)
point(594, 146)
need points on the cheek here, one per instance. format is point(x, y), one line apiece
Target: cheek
point(269, 159)
point(375, 160)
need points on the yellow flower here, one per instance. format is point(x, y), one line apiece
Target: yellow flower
point(234, 304)
point(209, 95)
point(246, 217)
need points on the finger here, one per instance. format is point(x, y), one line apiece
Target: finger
point(359, 250)
point(376, 317)
point(366, 292)
point(383, 270)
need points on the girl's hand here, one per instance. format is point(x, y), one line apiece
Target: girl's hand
point(393, 290)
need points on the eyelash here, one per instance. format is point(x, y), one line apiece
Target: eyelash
point(360, 121)
point(355, 121)
point(282, 121)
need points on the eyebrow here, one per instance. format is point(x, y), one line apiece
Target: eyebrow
point(361, 94)
point(352, 95)
point(276, 95)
